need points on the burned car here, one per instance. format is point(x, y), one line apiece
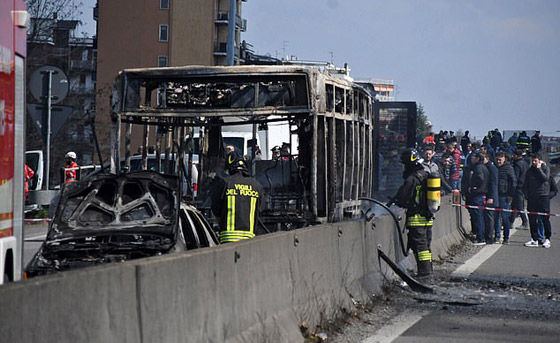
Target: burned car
point(114, 218)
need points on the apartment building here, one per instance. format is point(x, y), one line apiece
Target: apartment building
point(152, 33)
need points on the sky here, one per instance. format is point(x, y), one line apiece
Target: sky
point(473, 65)
point(86, 17)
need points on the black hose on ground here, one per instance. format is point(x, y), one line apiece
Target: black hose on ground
point(395, 218)
point(412, 283)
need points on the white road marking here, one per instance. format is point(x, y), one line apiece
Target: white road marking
point(406, 320)
point(398, 326)
point(474, 262)
point(32, 238)
point(477, 260)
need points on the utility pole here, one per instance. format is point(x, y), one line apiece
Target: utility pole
point(284, 45)
point(48, 127)
point(232, 16)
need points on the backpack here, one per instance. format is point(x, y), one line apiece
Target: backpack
point(430, 197)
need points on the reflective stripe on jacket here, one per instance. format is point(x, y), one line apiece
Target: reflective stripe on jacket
point(236, 202)
point(523, 142)
point(410, 195)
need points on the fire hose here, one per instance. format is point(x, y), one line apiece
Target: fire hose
point(395, 218)
point(412, 283)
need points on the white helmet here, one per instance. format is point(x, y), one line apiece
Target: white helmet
point(70, 154)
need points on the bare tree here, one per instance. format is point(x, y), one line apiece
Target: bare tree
point(45, 16)
point(45, 13)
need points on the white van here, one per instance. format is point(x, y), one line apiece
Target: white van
point(240, 137)
point(136, 164)
point(34, 159)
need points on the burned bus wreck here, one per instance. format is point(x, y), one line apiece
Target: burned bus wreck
point(317, 142)
point(323, 122)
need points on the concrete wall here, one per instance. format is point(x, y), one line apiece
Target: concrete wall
point(192, 32)
point(254, 291)
point(127, 37)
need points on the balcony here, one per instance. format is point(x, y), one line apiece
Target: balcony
point(241, 24)
point(79, 65)
point(220, 49)
point(83, 90)
point(222, 18)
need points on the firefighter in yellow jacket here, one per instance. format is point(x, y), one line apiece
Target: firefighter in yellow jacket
point(236, 201)
point(412, 196)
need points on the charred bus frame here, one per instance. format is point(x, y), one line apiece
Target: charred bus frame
point(331, 116)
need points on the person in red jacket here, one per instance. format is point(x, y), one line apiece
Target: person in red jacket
point(429, 140)
point(455, 154)
point(29, 173)
point(70, 174)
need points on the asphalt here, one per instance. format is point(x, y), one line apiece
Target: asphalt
point(34, 234)
point(515, 261)
point(505, 293)
point(512, 294)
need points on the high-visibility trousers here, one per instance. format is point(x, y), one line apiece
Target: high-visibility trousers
point(235, 235)
point(419, 240)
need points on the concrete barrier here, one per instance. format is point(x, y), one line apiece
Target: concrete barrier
point(253, 291)
point(90, 305)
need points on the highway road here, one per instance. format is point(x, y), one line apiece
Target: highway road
point(495, 293)
point(34, 235)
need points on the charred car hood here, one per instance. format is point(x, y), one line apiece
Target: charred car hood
point(135, 203)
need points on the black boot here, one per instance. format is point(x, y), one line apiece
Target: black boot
point(425, 272)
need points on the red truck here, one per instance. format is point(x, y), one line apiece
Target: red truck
point(13, 24)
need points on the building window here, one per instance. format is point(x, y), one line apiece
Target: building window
point(164, 4)
point(163, 33)
point(162, 61)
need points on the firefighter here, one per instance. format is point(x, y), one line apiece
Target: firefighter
point(412, 196)
point(229, 148)
point(524, 142)
point(29, 173)
point(275, 153)
point(70, 175)
point(236, 201)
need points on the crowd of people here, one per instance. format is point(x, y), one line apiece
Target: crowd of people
point(495, 173)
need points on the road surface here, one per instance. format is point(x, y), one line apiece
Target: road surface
point(34, 235)
point(495, 293)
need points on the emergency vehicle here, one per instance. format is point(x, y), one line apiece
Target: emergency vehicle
point(13, 24)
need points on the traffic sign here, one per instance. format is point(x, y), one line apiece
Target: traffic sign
point(38, 84)
point(60, 115)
